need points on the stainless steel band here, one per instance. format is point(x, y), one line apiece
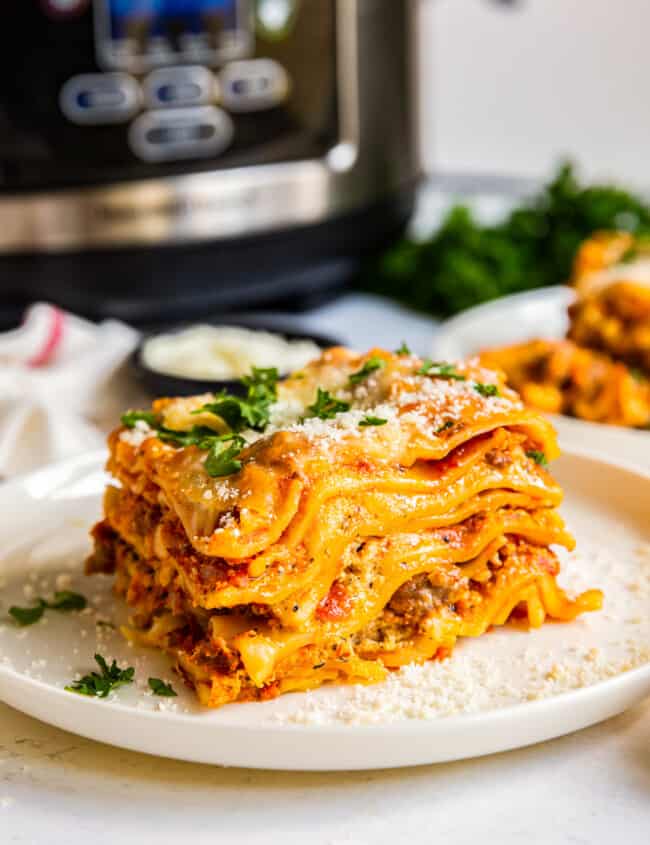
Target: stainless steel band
point(374, 102)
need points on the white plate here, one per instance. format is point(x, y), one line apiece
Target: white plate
point(524, 316)
point(510, 319)
point(44, 520)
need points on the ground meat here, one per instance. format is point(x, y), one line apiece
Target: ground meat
point(417, 597)
point(497, 458)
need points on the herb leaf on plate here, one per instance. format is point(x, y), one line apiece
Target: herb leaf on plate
point(101, 684)
point(159, 687)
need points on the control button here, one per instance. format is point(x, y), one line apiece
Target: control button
point(100, 98)
point(180, 86)
point(253, 85)
point(175, 134)
point(64, 8)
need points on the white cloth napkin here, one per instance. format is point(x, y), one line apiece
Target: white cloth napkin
point(62, 386)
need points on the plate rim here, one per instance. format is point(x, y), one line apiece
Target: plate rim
point(448, 327)
point(563, 295)
point(13, 683)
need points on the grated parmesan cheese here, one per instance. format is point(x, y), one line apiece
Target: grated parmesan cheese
point(479, 676)
point(138, 434)
point(224, 352)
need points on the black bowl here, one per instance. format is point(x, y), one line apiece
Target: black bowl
point(157, 383)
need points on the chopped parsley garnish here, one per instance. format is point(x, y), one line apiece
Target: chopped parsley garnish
point(637, 374)
point(370, 366)
point(198, 435)
point(630, 255)
point(64, 601)
point(222, 458)
point(370, 420)
point(159, 687)
point(254, 410)
point(441, 369)
point(262, 383)
point(28, 615)
point(326, 406)
point(538, 457)
point(403, 349)
point(486, 389)
point(446, 425)
point(132, 417)
point(100, 685)
point(238, 413)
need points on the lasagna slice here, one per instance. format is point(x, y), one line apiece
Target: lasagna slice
point(601, 371)
point(611, 313)
point(560, 377)
point(361, 515)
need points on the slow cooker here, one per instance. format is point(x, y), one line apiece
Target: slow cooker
point(160, 158)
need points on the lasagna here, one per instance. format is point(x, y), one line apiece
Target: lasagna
point(560, 377)
point(601, 371)
point(611, 313)
point(361, 515)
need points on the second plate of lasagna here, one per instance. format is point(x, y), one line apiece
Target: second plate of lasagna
point(378, 533)
point(580, 352)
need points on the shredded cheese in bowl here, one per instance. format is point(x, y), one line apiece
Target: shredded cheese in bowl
point(224, 352)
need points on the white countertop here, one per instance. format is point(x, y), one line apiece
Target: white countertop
point(590, 787)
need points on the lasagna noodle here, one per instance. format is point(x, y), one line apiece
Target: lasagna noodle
point(559, 377)
point(611, 313)
point(338, 550)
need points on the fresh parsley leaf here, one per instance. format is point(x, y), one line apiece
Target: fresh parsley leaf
point(326, 406)
point(130, 418)
point(538, 457)
point(486, 389)
point(262, 383)
point(446, 425)
point(403, 349)
point(370, 420)
point(100, 685)
point(440, 369)
point(159, 687)
point(254, 410)
point(63, 601)
point(370, 366)
point(222, 458)
point(28, 615)
point(198, 435)
point(237, 413)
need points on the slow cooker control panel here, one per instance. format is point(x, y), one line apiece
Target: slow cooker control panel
point(176, 112)
point(131, 88)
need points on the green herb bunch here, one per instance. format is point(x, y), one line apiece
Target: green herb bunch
point(464, 263)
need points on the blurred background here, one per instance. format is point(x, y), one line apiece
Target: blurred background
point(353, 169)
point(163, 159)
point(509, 88)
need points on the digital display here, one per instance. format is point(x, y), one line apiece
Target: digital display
point(140, 34)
